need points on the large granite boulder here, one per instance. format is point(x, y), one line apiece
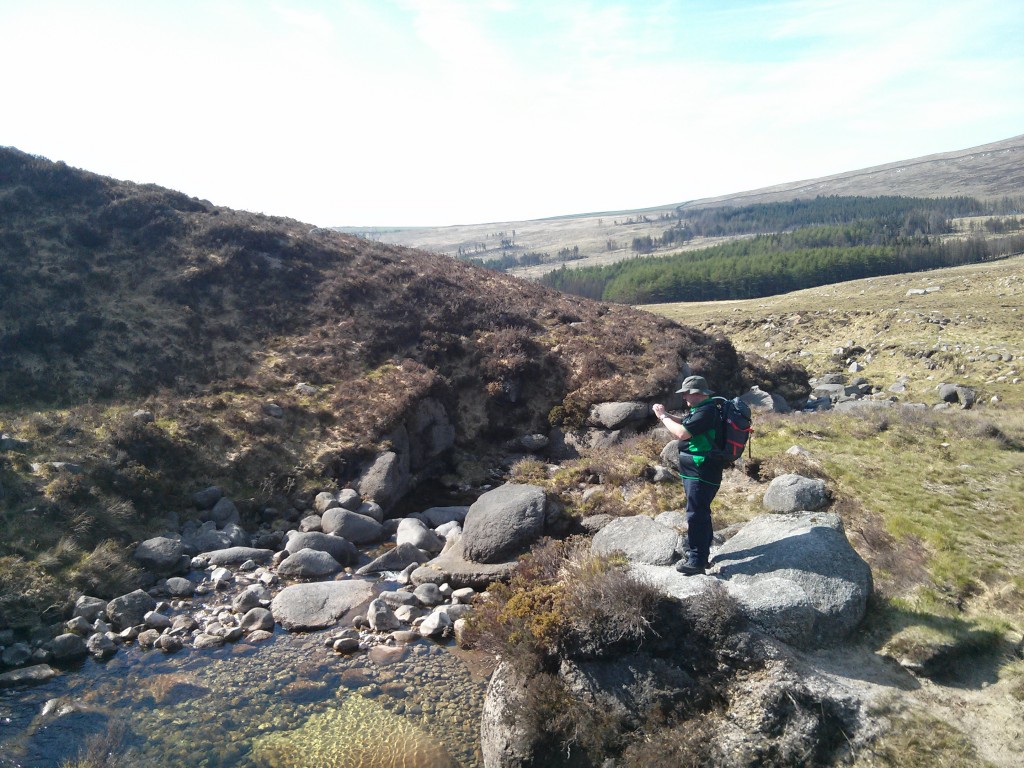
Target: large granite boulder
point(795, 493)
point(508, 739)
point(619, 415)
point(827, 579)
point(160, 555)
point(308, 564)
point(359, 529)
point(319, 605)
point(504, 522)
point(386, 480)
point(641, 538)
point(454, 568)
point(130, 610)
point(341, 549)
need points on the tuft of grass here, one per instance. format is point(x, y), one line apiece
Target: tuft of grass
point(528, 470)
point(1014, 674)
point(918, 740)
point(104, 750)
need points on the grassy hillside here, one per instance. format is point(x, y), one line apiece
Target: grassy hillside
point(932, 499)
point(967, 331)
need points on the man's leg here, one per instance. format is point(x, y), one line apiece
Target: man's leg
point(699, 531)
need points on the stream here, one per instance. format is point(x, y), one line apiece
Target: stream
point(284, 703)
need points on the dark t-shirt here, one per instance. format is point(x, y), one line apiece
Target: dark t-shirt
point(700, 456)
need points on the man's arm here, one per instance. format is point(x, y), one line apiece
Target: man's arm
point(671, 423)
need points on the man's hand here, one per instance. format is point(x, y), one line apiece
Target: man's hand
point(659, 410)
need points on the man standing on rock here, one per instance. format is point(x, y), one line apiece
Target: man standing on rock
point(700, 466)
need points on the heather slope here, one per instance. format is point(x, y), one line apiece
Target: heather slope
point(120, 297)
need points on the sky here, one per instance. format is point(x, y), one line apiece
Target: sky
point(438, 112)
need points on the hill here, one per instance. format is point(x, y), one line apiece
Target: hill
point(988, 172)
point(153, 344)
point(266, 356)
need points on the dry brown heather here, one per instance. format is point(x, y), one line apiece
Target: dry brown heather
point(118, 297)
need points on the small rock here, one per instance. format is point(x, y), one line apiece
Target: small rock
point(79, 626)
point(258, 619)
point(380, 617)
point(429, 595)
point(371, 509)
point(437, 623)
point(325, 501)
point(311, 523)
point(349, 498)
point(345, 645)
point(169, 643)
point(177, 586)
point(158, 621)
point(68, 646)
point(148, 638)
point(130, 610)
point(89, 608)
point(794, 493)
point(308, 564)
point(181, 625)
point(101, 646)
point(206, 642)
point(206, 498)
point(232, 635)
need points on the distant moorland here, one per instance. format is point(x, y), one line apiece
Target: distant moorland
point(532, 248)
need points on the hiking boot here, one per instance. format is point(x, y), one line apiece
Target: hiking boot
point(690, 567)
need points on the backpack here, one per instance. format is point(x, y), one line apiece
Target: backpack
point(737, 420)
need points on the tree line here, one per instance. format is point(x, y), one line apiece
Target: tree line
point(899, 211)
point(892, 241)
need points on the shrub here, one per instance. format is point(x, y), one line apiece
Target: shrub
point(714, 614)
point(564, 600)
point(528, 470)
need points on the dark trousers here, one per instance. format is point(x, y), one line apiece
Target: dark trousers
point(698, 519)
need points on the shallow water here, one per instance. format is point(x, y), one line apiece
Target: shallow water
point(284, 703)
